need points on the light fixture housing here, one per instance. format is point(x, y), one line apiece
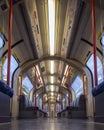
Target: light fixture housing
point(52, 79)
point(52, 67)
point(51, 16)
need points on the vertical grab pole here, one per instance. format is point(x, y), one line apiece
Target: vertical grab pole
point(94, 43)
point(20, 86)
point(42, 99)
point(9, 42)
point(69, 89)
point(83, 80)
point(35, 87)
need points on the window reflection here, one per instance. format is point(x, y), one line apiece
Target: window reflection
point(27, 84)
point(90, 64)
point(77, 86)
point(14, 65)
point(1, 41)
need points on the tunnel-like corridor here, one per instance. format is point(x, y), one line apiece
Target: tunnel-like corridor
point(51, 64)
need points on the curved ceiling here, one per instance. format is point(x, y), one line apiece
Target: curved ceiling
point(37, 14)
point(69, 49)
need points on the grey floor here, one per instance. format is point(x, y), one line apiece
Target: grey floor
point(52, 124)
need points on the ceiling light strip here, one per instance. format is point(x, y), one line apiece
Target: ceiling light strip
point(52, 67)
point(51, 13)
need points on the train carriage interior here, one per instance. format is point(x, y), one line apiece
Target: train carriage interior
point(52, 60)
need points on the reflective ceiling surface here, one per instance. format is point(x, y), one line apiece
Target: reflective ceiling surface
point(53, 37)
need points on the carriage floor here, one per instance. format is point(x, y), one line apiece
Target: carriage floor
point(52, 124)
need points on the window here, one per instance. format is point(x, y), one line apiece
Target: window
point(77, 86)
point(27, 84)
point(1, 41)
point(40, 103)
point(14, 65)
point(90, 64)
point(102, 40)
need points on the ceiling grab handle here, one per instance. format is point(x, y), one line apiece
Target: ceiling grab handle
point(94, 43)
point(9, 41)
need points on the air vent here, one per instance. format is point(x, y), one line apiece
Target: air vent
point(4, 5)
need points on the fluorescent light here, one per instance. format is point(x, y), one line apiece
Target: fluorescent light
point(62, 80)
point(66, 69)
point(52, 67)
point(41, 80)
point(51, 13)
point(37, 68)
point(51, 88)
point(52, 79)
point(65, 75)
point(52, 94)
point(25, 93)
point(39, 75)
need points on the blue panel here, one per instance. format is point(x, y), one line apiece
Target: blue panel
point(4, 88)
point(15, 1)
point(98, 89)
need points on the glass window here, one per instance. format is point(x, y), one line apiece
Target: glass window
point(90, 64)
point(1, 41)
point(27, 84)
point(77, 86)
point(14, 65)
point(40, 103)
point(102, 40)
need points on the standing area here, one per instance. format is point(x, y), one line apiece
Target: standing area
point(52, 124)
